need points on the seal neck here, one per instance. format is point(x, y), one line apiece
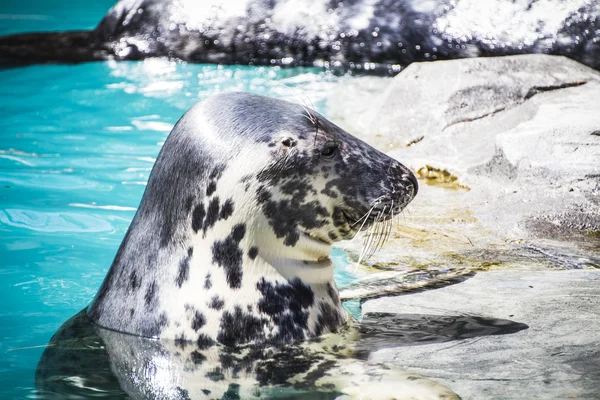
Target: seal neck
point(216, 287)
point(200, 262)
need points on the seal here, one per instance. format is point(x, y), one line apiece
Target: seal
point(379, 36)
point(227, 263)
point(232, 238)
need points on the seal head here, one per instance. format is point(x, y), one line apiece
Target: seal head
point(232, 238)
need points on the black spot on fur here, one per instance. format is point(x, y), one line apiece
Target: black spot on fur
point(310, 380)
point(150, 298)
point(206, 391)
point(210, 189)
point(216, 303)
point(217, 172)
point(212, 214)
point(151, 326)
point(189, 202)
point(228, 255)
point(338, 217)
point(134, 281)
point(277, 368)
point(287, 304)
point(333, 293)
point(215, 375)
point(198, 217)
point(329, 319)
point(198, 321)
point(181, 341)
point(253, 252)
point(229, 361)
point(181, 394)
point(204, 342)
point(332, 235)
point(184, 268)
point(232, 393)
point(239, 327)
point(286, 215)
point(226, 209)
point(207, 281)
point(238, 232)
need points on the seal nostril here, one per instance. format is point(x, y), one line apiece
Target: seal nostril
point(413, 179)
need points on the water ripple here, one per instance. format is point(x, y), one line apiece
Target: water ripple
point(53, 221)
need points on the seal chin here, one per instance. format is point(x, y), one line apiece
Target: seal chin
point(312, 236)
point(314, 246)
point(309, 272)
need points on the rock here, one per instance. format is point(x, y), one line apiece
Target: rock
point(511, 145)
point(556, 357)
point(372, 36)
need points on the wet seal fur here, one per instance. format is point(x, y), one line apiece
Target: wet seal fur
point(227, 263)
point(232, 238)
point(363, 35)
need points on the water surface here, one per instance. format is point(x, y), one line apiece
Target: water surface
point(76, 148)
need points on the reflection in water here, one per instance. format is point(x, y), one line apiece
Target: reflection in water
point(87, 361)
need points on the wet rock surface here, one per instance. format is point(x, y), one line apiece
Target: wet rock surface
point(556, 357)
point(511, 146)
point(506, 224)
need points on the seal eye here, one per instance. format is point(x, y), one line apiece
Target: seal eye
point(329, 150)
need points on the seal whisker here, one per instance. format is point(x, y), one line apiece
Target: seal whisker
point(377, 200)
point(370, 240)
point(382, 228)
point(391, 223)
point(391, 220)
point(381, 231)
point(308, 117)
point(366, 215)
point(377, 233)
point(366, 244)
point(384, 233)
point(364, 248)
point(303, 97)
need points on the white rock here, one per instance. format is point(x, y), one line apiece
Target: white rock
point(521, 132)
point(556, 357)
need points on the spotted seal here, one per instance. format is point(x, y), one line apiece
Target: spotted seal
point(227, 263)
point(232, 238)
point(365, 35)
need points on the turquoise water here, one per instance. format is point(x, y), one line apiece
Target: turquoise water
point(76, 147)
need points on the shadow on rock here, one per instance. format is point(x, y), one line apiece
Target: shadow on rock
point(384, 330)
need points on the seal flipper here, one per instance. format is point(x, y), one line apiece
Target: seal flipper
point(392, 283)
point(76, 363)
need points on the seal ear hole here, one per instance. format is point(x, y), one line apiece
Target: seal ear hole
point(288, 142)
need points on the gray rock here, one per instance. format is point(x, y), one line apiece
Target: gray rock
point(514, 138)
point(508, 150)
point(557, 357)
